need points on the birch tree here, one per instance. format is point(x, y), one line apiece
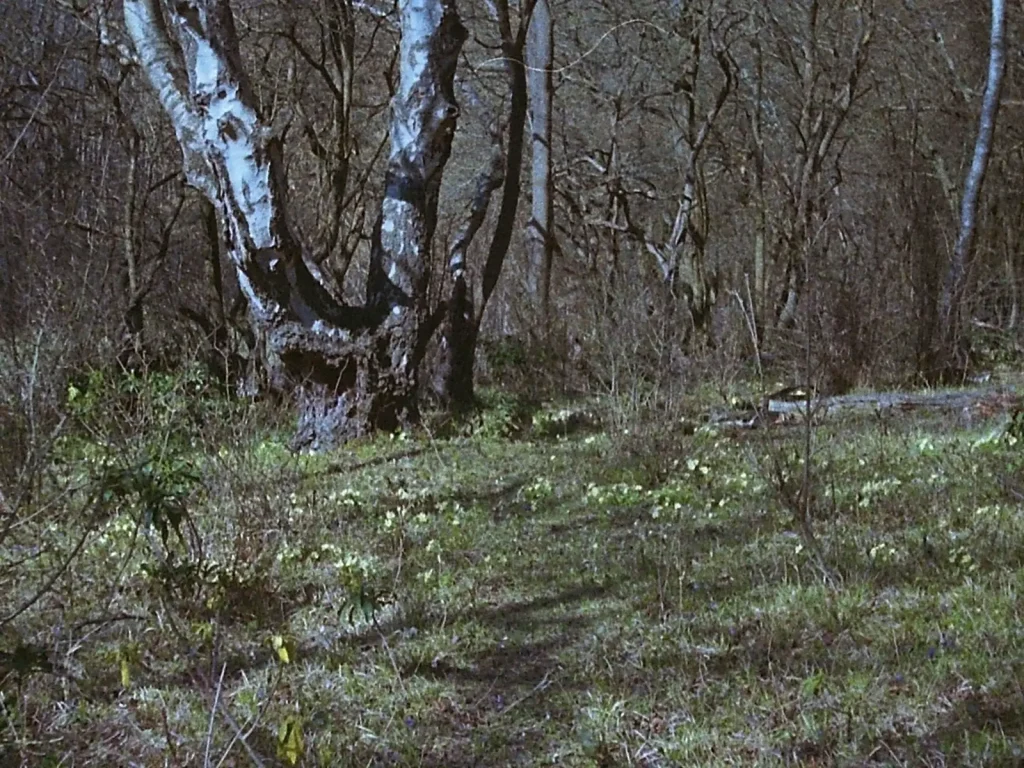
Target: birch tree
point(951, 357)
point(353, 369)
point(539, 234)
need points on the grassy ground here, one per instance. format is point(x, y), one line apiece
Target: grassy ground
point(527, 591)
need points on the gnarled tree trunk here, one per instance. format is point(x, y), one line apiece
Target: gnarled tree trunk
point(353, 369)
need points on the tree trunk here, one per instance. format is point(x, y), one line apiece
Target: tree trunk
point(132, 351)
point(759, 297)
point(952, 354)
point(539, 233)
point(223, 333)
point(822, 114)
point(353, 369)
point(341, 36)
point(462, 325)
point(454, 375)
point(1010, 249)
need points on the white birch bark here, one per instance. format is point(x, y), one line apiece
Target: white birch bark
point(202, 87)
point(540, 59)
point(332, 353)
point(956, 276)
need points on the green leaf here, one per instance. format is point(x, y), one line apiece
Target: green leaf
point(289, 740)
point(126, 674)
point(812, 684)
point(281, 647)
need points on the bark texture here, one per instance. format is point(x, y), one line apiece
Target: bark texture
point(353, 369)
point(539, 245)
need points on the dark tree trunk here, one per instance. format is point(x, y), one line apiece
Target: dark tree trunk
point(462, 324)
point(223, 332)
point(453, 380)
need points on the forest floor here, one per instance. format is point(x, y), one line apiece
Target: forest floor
point(530, 587)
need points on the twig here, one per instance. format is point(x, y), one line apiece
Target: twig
point(544, 683)
point(240, 736)
point(49, 582)
point(168, 734)
point(391, 657)
point(243, 736)
point(213, 714)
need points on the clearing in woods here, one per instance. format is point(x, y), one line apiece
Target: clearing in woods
point(532, 588)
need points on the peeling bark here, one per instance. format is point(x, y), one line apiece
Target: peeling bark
point(353, 368)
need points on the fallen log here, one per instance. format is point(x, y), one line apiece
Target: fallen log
point(782, 407)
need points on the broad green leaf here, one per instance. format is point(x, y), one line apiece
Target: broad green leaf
point(289, 740)
point(282, 649)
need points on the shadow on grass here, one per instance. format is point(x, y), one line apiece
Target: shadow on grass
point(514, 697)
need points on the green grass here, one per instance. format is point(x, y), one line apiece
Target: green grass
point(519, 594)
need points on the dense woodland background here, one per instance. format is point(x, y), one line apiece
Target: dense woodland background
point(826, 144)
point(600, 563)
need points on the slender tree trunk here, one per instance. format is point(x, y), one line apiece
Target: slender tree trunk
point(225, 362)
point(539, 233)
point(927, 270)
point(219, 308)
point(679, 254)
point(457, 354)
point(133, 348)
point(1009, 258)
point(759, 299)
point(792, 290)
point(822, 115)
point(353, 369)
point(462, 325)
point(336, 156)
point(512, 48)
point(952, 355)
